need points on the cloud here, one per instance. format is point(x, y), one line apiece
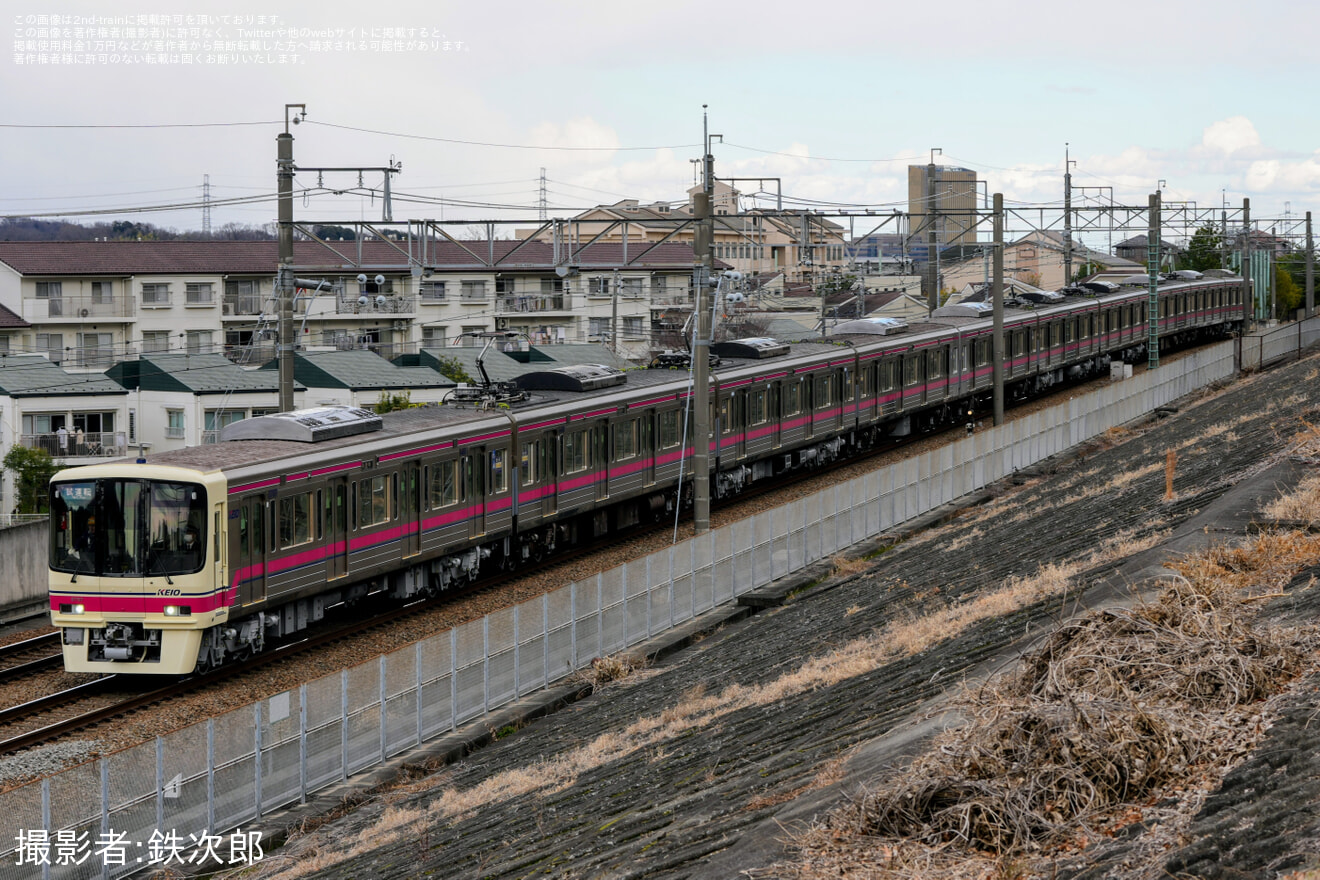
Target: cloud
point(1228, 136)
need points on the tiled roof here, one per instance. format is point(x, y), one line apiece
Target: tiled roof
point(9, 319)
point(260, 257)
point(34, 376)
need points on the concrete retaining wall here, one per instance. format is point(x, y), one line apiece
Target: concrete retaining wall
point(22, 569)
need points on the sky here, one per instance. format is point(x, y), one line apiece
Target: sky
point(1205, 100)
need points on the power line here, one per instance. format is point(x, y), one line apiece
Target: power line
point(424, 137)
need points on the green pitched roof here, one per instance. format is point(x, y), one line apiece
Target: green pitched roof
point(34, 376)
point(358, 370)
point(196, 373)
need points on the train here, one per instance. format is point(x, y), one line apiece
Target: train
point(177, 562)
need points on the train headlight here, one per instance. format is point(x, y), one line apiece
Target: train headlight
point(178, 610)
point(66, 608)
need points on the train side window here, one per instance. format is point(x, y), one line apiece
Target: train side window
point(443, 488)
point(757, 401)
point(531, 463)
point(294, 520)
point(912, 370)
point(625, 440)
point(935, 364)
point(888, 371)
point(499, 471)
point(243, 548)
point(669, 428)
point(1019, 343)
point(822, 392)
point(982, 352)
point(726, 423)
point(575, 452)
point(793, 398)
point(375, 501)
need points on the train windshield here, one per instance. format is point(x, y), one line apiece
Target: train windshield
point(127, 528)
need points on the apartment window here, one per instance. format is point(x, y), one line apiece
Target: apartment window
point(433, 337)
point(473, 341)
point(155, 341)
point(659, 284)
point(598, 286)
point(155, 294)
point(50, 289)
point(504, 286)
point(598, 327)
point(550, 286)
point(95, 349)
point(217, 420)
point(52, 344)
point(242, 297)
point(432, 291)
point(199, 341)
point(102, 292)
point(200, 293)
point(371, 287)
point(174, 424)
point(4, 345)
point(631, 287)
point(474, 290)
point(633, 328)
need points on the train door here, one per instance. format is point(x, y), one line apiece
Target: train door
point(252, 539)
point(336, 527)
point(773, 413)
point(549, 447)
point(738, 423)
point(809, 406)
point(410, 508)
point(647, 441)
point(473, 465)
point(600, 459)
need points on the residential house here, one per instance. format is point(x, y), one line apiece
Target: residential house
point(360, 378)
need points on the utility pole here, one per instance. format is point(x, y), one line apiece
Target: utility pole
point(614, 313)
point(1310, 269)
point(1153, 267)
point(997, 297)
point(932, 239)
point(284, 169)
point(702, 240)
point(1249, 296)
point(1067, 217)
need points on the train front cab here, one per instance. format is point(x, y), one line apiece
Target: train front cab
point(136, 568)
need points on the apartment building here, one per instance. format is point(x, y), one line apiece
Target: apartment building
point(86, 305)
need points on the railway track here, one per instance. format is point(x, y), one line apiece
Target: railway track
point(37, 654)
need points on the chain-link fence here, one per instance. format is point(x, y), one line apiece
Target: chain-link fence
point(1279, 343)
point(178, 797)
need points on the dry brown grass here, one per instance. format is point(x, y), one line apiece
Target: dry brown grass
point(842, 566)
point(1115, 708)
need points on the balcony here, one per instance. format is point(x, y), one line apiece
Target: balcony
point(530, 303)
point(241, 305)
point(380, 304)
point(77, 308)
point(107, 444)
point(250, 355)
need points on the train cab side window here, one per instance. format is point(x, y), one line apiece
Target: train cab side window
point(499, 471)
point(294, 520)
point(576, 457)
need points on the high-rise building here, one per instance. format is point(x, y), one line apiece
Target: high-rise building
point(955, 198)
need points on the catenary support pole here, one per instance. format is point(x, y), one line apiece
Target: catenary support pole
point(997, 295)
